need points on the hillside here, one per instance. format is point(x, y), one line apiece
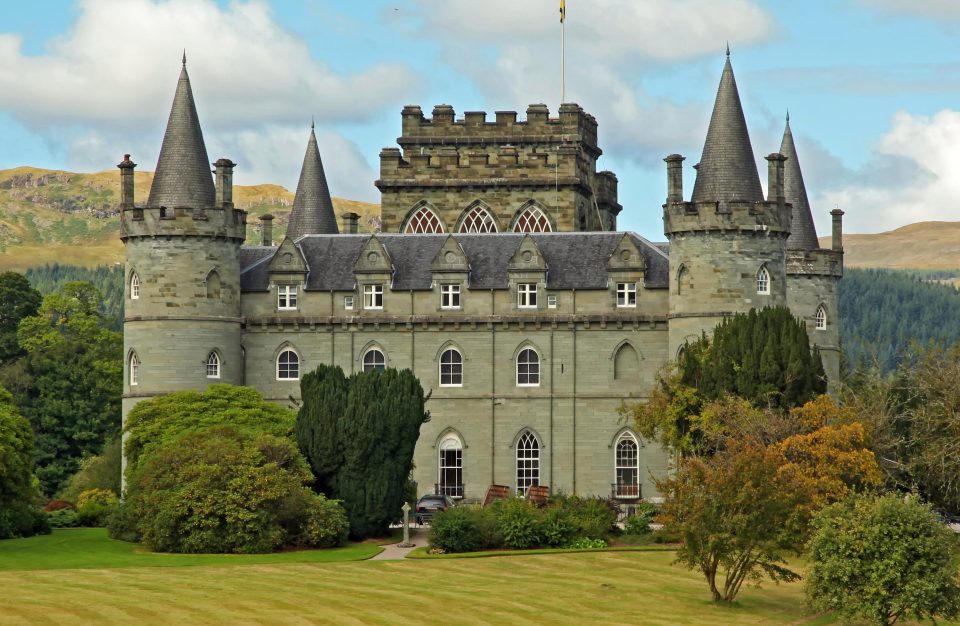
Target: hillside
point(49, 216)
point(900, 249)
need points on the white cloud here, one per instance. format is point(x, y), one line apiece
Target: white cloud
point(118, 64)
point(938, 9)
point(911, 178)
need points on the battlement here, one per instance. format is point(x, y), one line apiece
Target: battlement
point(505, 162)
point(820, 262)
point(770, 218)
point(215, 222)
point(573, 125)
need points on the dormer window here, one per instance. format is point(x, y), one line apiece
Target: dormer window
point(626, 295)
point(449, 296)
point(527, 295)
point(286, 297)
point(373, 296)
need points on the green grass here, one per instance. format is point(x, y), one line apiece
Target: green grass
point(90, 548)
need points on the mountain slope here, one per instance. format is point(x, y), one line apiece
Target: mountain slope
point(924, 245)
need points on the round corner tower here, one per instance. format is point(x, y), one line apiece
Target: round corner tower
point(182, 324)
point(727, 244)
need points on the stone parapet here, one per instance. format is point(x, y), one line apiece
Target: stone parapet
point(770, 218)
point(820, 262)
point(216, 223)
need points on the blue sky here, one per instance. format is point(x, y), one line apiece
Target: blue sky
point(873, 86)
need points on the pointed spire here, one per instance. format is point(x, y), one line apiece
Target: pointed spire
point(727, 170)
point(803, 233)
point(183, 175)
point(312, 212)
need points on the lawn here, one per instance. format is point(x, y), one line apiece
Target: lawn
point(621, 587)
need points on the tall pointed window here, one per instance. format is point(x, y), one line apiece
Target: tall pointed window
point(478, 220)
point(134, 369)
point(821, 318)
point(528, 462)
point(213, 285)
point(424, 221)
point(532, 220)
point(134, 286)
point(213, 364)
point(627, 467)
point(763, 282)
point(450, 471)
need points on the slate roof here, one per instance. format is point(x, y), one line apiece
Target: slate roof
point(803, 233)
point(312, 212)
point(574, 260)
point(183, 177)
point(727, 169)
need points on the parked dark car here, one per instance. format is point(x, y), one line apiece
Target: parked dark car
point(430, 504)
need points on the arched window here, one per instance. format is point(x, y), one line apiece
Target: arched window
point(528, 462)
point(627, 467)
point(213, 285)
point(288, 365)
point(450, 470)
point(532, 220)
point(528, 368)
point(134, 286)
point(213, 364)
point(451, 368)
point(626, 364)
point(821, 318)
point(134, 369)
point(424, 221)
point(763, 281)
point(683, 279)
point(374, 359)
point(478, 220)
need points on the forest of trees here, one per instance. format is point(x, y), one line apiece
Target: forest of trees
point(108, 279)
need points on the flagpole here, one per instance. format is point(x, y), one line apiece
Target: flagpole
point(563, 60)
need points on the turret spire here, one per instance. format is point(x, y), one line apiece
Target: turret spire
point(803, 233)
point(727, 170)
point(183, 175)
point(312, 212)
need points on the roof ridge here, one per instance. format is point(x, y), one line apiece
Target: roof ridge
point(182, 177)
point(312, 211)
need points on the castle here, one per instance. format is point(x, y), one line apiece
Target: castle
point(499, 278)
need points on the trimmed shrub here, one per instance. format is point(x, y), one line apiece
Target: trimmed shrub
point(63, 518)
point(59, 505)
point(519, 523)
point(639, 522)
point(103, 497)
point(464, 529)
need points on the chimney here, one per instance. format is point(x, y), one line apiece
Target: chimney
point(836, 240)
point(775, 190)
point(224, 175)
point(266, 229)
point(351, 223)
point(674, 178)
point(126, 182)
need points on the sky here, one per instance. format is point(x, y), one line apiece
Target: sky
point(872, 87)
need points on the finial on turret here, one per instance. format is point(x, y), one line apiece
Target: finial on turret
point(184, 57)
point(728, 48)
point(311, 122)
point(788, 115)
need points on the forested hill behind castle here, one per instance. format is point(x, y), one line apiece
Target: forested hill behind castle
point(49, 216)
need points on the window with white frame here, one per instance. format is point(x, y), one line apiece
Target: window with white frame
point(450, 470)
point(763, 282)
point(449, 296)
point(286, 297)
point(478, 220)
point(288, 365)
point(134, 286)
point(374, 359)
point(532, 220)
point(627, 467)
point(134, 369)
point(424, 221)
point(373, 296)
point(348, 303)
point(551, 301)
point(451, 368)
point(528, 462)
point(626, 295)
point(527, 295)
point(821, 318)
point(213, 364)
point(528, 368)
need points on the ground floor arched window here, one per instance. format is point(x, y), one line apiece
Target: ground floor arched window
point(450, 470)
point(627, 467)
point(528, 462)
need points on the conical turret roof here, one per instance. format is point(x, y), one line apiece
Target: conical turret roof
point(803, 234)
point(727, 169)
point(312, 212)
point(183, 176)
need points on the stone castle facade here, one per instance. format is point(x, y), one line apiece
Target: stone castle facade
point(499, 278)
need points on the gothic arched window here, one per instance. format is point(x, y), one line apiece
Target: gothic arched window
point(134, 286)
point(288, 365)
point(626, 363)
point(763, 281)
point(821, 318)
point(213, 364)
point(134, 369)
point(213, 285)
point(478, 220)
point(627, 467)
point(528, 368)
point(450, 470)
point(451, 368)
point(532, 220)
point(528, 462)
point(424, 220)
point(374, 359)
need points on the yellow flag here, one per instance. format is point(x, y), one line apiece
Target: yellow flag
point(563, 10)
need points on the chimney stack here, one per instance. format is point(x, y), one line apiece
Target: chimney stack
point(351, 223)
point(775, 191)
point(674, 178)
point(224, 174)
point(836, 240)
point(266, 229)
point(126, 182)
